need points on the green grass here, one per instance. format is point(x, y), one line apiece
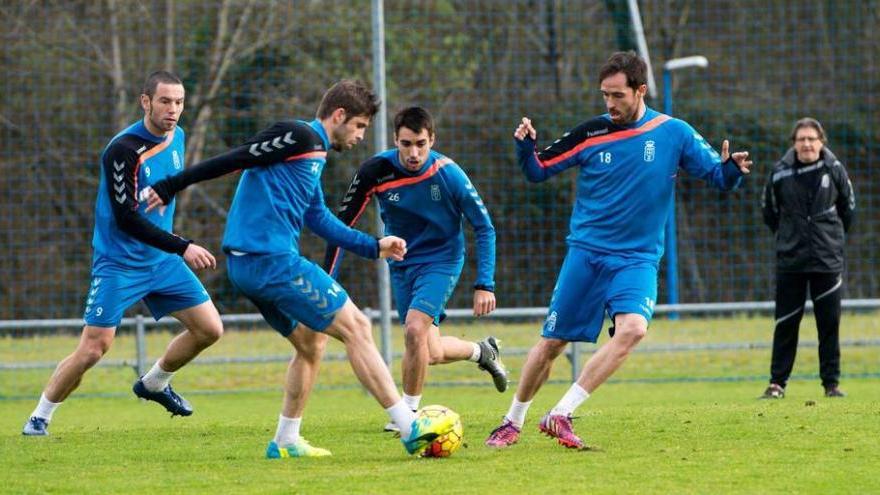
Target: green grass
point(654, 429)
point(648, 438)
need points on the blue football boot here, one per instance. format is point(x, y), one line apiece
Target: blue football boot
point(35, 427)
point(175, 404)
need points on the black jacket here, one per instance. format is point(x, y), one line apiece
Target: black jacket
point(809, 207)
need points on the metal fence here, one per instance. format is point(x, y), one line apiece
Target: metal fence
point(573, 354)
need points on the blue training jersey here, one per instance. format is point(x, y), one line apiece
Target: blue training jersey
point(626, 178)
point(426, 208)
point(280, 192)
point(133, 160)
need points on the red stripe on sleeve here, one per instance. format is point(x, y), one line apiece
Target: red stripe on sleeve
point(607, 138)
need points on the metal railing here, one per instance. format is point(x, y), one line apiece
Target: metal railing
point(141, 324)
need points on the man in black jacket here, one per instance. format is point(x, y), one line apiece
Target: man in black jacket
point(808, 202)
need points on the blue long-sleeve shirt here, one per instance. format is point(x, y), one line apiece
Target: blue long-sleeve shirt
point(426, 208)
point(279, 191)
point(626, 179)
point(124, 233)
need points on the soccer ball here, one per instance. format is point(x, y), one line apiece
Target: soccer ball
point(444, 445)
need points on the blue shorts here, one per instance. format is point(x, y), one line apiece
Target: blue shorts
point(287, 289)
point(592, 284)
point(165, 287)
point(425, 287)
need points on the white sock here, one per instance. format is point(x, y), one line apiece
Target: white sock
point(45, 408)
point(402, 416)
point(476, 354)
point(517, 412)
point(575, 396)
point(412, 401)
point(288, 430)
point(157, 379)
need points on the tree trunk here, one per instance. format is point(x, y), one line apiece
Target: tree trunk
point(116, 73)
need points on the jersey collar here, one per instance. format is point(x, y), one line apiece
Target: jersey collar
point(316, 125)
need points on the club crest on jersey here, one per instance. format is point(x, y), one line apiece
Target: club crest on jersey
point(435, 192)
point(650, 151)
point(175, 157)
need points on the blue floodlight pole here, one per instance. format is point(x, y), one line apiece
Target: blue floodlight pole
point(671, 230)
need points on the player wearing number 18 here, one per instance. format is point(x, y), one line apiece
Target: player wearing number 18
point(628, 161)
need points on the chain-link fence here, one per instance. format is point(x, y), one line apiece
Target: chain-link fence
point(72, 70)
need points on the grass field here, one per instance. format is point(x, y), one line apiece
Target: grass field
point(653, 429)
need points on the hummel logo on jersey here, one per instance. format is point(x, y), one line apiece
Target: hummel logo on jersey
point(118, 184)
point(386, 178)
point(269, 145)
point(599, 132)
point(316, 167)
point(141, 150)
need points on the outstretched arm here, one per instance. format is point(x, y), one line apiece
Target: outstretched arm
point(723, 171)
point(281, 142)
point(559, 156)
point(325, 224)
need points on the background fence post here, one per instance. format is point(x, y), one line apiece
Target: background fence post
point(140, 342)
point(575, 355)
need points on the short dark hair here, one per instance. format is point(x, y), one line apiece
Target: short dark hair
point(808, 122)
point(156, 78)
point(352, 96)
point(630, 63)
point(414, 119)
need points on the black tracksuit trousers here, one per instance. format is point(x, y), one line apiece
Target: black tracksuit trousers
point(791, 294)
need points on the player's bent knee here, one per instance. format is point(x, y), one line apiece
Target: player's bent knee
point(212, 333)
point(631, 333)
point(92, 351)
point(309, 344)
point(416, 333)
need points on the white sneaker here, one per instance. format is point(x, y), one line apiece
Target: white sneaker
point(391, 426)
